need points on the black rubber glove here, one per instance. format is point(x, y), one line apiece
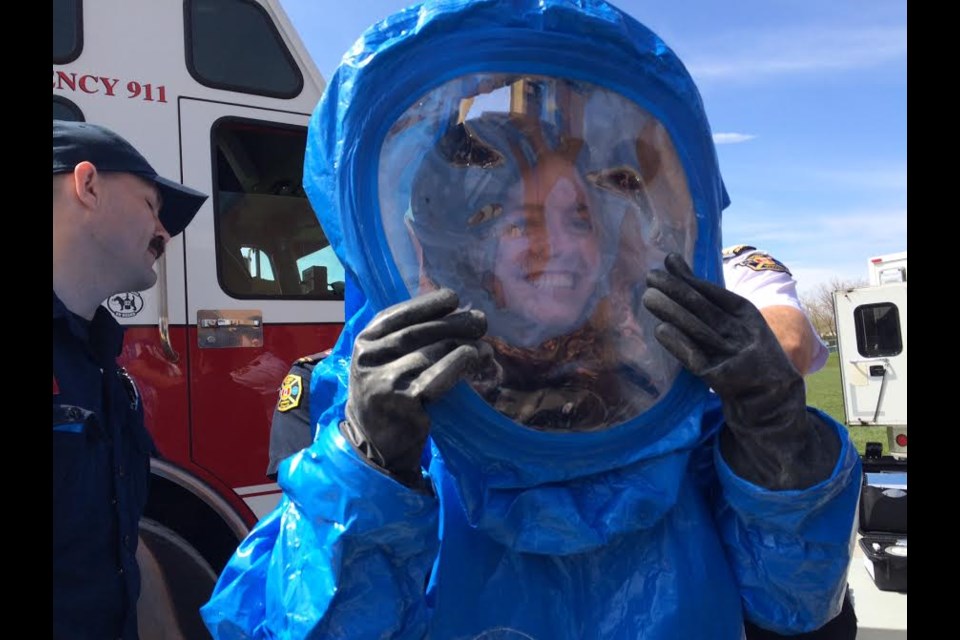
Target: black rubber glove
point(410, 353)
point(771, 439)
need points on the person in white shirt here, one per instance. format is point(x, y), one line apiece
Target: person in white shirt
point(768, 284)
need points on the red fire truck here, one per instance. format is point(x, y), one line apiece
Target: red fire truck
point(217, 92)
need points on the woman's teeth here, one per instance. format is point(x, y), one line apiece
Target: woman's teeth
point(563, 280)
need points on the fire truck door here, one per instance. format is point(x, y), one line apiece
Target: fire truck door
point(872, 346)
point(244, 277)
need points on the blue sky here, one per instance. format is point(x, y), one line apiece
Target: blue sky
point(807, 100)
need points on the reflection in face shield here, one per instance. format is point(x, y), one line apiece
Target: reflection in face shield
point(546, 218)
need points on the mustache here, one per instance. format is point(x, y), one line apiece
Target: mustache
point(157, 245)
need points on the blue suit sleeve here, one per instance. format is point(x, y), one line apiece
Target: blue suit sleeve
point(346, 554)
point(790, 550)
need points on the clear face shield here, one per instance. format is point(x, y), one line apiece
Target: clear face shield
point(542, 202)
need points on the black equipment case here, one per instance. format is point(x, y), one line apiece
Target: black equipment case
point(883, 522)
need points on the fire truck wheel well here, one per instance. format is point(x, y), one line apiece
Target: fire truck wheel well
point(175, 582)
point(192, 519)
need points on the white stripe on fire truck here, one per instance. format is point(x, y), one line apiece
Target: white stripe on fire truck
point(257, 489)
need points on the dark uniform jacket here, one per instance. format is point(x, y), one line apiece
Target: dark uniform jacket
point(101, 468)
point(292, 426)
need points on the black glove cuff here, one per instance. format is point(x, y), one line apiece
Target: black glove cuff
point(792, 455)
point(408, 474)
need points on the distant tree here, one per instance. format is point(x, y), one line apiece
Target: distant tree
point(819, 304)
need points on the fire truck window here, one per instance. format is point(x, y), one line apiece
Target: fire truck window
point(234, 45)
point(67, 30)
point(64, 109)
point(269, 243)
point(878, 330)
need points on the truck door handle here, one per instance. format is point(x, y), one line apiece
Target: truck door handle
point(219, 328)
point(207, 323)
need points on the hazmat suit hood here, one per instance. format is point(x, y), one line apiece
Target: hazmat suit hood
point(416, 161)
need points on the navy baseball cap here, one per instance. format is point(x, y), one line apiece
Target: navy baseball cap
point(76, 142)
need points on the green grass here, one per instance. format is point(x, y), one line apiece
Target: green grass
point(825, 392)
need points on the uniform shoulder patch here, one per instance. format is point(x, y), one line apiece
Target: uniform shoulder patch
point(735, 250)
point(764, 262)
point(291, 391)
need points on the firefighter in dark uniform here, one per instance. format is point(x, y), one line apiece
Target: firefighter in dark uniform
point(292, 427)
point(101, 467)
point(112, 217)
point(295, 416)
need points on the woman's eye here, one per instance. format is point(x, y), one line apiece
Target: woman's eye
point(626, 180)
point(623, 180)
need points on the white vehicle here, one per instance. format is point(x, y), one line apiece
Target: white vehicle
point(217, 93)
point(888, 268)
point(872, 348)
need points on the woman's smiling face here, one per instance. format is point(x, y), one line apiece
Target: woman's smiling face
point(548, 260)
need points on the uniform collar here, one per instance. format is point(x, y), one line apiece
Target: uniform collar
point(103, 335)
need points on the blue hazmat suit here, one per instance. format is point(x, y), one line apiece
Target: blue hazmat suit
point(639, 529)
